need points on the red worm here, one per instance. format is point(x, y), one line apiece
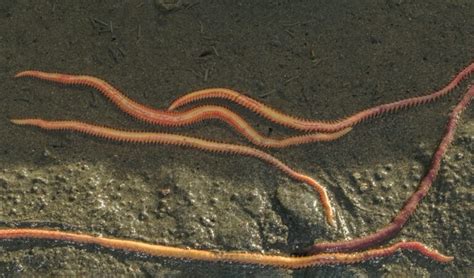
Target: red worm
point(314, 125)
point(172, 118)
point(401, 218)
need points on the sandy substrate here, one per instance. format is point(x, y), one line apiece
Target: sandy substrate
point(307, 58)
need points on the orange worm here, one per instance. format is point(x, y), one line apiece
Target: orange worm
point(223, 256)
point(313, 125)
point(173, 118)
point(185, 141)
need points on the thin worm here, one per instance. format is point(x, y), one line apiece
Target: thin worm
point(401, 218)
point(172, 118)
point(223, 256)
point(185, 141)
point(314, 125)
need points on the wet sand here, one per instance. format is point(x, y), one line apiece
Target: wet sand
point(310, 59)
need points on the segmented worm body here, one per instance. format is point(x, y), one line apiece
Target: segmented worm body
point(173, 118)
point(321, 126)
point(218, 256)
point(340, 252)
point(185, 141)
point(401, 218)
